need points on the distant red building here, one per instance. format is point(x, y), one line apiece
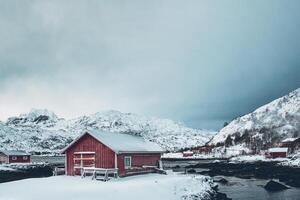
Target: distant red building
point(96, 149)
point(202, 149)
point(187, 153)
point(7, 157)
point(277, 153)
point(293, 144)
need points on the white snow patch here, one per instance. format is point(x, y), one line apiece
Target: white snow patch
point(293, 162)
point(255, 158)
point(145, 187)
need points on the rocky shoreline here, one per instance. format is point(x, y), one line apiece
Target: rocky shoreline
point(262, 170)
point(19, 172)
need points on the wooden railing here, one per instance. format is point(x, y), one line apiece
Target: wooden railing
point(103, 172)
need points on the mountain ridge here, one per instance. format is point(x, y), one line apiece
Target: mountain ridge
point(265, 126)
point(43, 131)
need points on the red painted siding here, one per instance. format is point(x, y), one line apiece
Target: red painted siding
point(9, 159)
point(19, 159)
point(138, 160)
point(278, 154)
point(104, 156)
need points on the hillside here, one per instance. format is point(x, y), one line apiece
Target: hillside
point(264, 127)
point(43, 131)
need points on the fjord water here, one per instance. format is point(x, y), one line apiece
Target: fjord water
point(252, 189)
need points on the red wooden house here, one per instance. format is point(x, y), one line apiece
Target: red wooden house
point(97, 149)
point(7, 157)
point(292, 143)
point(277, 153)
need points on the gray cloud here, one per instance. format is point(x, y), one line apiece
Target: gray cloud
point(199, 62)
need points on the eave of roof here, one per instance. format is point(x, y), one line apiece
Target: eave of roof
point(14, 153)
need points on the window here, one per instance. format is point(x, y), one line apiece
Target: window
point(127, 162)
point(14, 158)
point(25, 158)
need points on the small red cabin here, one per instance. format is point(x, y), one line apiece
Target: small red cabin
point(277, 153)
point(187, 154)
point(97, 149)
point(7, 157)
point(292, 143)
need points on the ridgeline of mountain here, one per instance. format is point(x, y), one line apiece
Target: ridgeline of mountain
point(42, 131)
point(264, 127)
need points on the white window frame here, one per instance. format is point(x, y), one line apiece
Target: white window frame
point(14, 158)
point(130, 161)
point(25, 157)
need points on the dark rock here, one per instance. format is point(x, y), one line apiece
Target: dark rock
point(215, 187)
point(191, 171)
point(220, 179)
point(205, 172)
point(245, 176)
point(275, 186)
point(41, 118)
point(221, 196)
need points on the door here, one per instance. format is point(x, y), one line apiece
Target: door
point(83, 159)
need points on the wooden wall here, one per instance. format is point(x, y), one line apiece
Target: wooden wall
point(104, 156)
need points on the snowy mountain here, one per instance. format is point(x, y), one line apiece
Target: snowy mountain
point(43, 131)
point(264, 127)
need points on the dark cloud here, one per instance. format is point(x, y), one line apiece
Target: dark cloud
point(199, 62)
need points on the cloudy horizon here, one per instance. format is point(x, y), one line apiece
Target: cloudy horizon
point(202, 63)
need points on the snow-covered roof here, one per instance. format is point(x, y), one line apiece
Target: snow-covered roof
point(121, 142)
point(275, 150)
point(289, 139)
point(188, 152)
point(14, 153)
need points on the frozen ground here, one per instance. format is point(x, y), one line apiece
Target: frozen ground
point(6, 168)
point(195, 156)
point(255, 158)
point(146, 187)
point(293, 162)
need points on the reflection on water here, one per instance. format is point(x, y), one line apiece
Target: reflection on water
point(252, 189)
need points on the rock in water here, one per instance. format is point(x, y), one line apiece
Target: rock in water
point(222, 196)
point(220, 179)
point(275, 186)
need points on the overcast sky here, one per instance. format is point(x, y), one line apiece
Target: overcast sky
point(199, 62)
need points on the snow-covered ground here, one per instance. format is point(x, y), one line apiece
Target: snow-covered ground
point(6, 168)
point(146, 187)
point(218, 152)
point(179, 155)
point(255, 158)
point(293, 162)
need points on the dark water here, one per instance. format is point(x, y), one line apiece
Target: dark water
point(241, 189)
point(251, 189)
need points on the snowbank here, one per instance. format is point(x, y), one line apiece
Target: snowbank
point(255, 158)
point(293, 162)
point(179, 155)
point(145, 187)
point(5, 168)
